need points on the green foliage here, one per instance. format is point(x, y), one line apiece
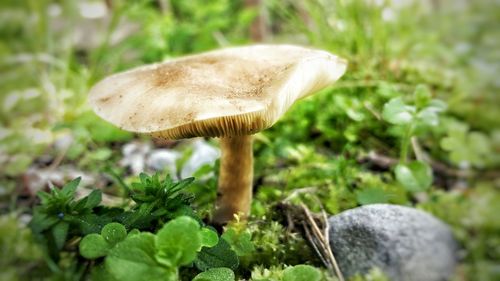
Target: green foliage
point(134, 259)
point(371, 195)
point(157, 199)
point(171, 32)
point(221, 255)
point(94, 245)
point(181, 241)
point(397, 112)
point(60, 216)
point(301, 273)
point(240, 241)
point(466, 147)
point(178, 242)
point(474, 219)
point(415, 176)
point(216, 274)
point(274, 245)
point(158, 257)
point(19, 253)
point(401, 68)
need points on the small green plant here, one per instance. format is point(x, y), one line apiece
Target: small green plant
point(158, 257)
point(415, 175)
point(299, 272)
point(59, 217)
point(98, 245)
point(154, 237)
point(18, 258)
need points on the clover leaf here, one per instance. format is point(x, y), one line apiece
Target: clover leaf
point(134, 259)
point(96, 245)
point(114, 232)
point(429, 114)
point(179, 241)
point(221, 255)
point(93, 246)
point(415, 176)
point(397, 112)
point(209, 237)
point(372, 195)
point(216, 274)
point(421, 95)
point(467, 147)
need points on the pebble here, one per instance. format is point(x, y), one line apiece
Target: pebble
point(407, 244)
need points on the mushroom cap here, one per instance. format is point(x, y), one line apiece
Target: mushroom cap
point(227, 92)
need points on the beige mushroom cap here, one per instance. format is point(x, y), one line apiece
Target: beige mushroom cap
point(233, 91)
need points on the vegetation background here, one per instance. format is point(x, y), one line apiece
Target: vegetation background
point(435, 62)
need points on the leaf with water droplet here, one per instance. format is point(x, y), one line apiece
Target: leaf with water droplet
point(93, 246)
point(113, 233)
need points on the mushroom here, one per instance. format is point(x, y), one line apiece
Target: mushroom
point(230, 93)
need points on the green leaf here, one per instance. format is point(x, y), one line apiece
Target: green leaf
point(113, 233)
point(134, 232)
point(371, 195)
point(428, 117)
point(59, 233)
point(134, 259)
point(221, 255)
point(179, 241)
point(415, 176)
point(101, 154)
point(437, 105)
point(209, 237)
point(93, 246)
point(100, 273)
point(93, 199)
point(301, 272)
point(44, 197)
point(241, 242)
point(41, 222)
point(429, 114)
point(90, 223)
point(422, 96)
point(397, 112)
point(181, 184)
point(70, 188)
point(216, 274)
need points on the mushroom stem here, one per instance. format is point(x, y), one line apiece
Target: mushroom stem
point(234, 194)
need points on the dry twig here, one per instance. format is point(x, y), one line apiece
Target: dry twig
point(321, 243)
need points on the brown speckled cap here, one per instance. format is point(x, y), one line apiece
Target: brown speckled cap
point(233, 91)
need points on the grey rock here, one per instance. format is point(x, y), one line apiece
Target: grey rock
point(203, 153)
point(163, 159)
point(405, 243)
point(134, 156)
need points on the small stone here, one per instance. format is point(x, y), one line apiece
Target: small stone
point(405, 243)
point(134, 156)
point(203, 154)
point(163, 159)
